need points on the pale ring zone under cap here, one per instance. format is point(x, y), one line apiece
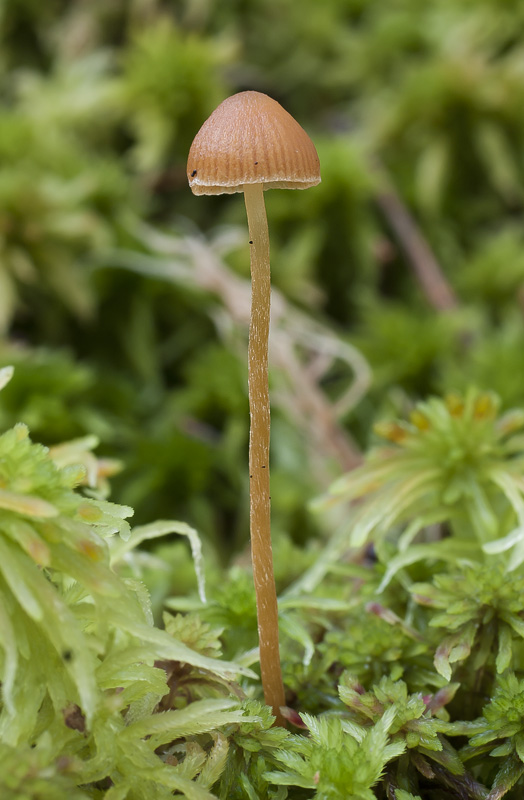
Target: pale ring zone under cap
point(250, 138)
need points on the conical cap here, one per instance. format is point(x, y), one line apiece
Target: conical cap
point(250, 138)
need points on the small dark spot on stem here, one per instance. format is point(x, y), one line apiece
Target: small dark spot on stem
point(256, 162)
point(250, 476)
point(67, 655)
point(251, 241)
point(193, 173)
point(263, 466)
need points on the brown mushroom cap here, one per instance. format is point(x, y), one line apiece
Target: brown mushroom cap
point(250, 138)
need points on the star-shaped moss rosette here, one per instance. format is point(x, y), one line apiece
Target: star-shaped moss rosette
point(418, 720)
point(339, 760)
point(418, 726)
point(481, 610)
point(499, 733)
point(456, 460)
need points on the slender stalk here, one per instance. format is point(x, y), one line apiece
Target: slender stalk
point(260, 512)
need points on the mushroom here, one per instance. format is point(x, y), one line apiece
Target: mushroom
point(249, 144)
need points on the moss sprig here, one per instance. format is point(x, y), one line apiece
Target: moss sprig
point(480, 609)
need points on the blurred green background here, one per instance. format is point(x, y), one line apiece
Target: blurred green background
point(123, 298)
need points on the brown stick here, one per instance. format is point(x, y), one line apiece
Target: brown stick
point(424, 264)
point(260, 511)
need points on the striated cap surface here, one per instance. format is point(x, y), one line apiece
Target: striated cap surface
point(250, 138)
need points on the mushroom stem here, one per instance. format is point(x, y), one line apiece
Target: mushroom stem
point(260, 514)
